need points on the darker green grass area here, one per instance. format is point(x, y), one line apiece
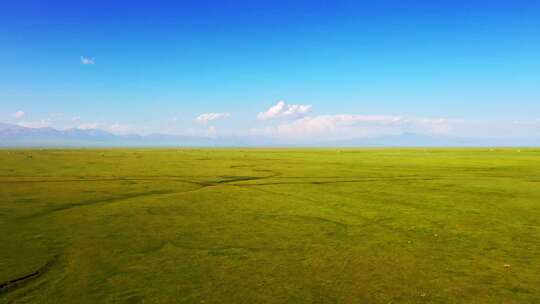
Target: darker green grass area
point(270, 226)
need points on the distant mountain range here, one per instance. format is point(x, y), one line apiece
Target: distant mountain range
point(18, 136)
point(427, 140)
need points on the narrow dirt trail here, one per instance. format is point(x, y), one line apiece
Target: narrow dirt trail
point(20, 281)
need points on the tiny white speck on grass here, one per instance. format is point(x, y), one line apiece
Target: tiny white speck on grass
point(409, 242)
point(423, 294)
point(436, 235)
point(507, 266)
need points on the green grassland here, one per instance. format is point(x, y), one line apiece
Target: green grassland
point(270, 226)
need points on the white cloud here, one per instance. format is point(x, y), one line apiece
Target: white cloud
point(76, 118)
point(347, 126)
point(87, 60)
point(19, 114)
point(298, 125)
point(35, 124)
point(207, 117)
point(283, 110)
point(89, 126)
point(116, 127)
point(337, 125)
point(119, 128)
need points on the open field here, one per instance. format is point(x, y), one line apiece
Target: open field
point(270, 226)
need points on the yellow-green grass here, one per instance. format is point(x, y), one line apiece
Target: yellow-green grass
point(270, 226)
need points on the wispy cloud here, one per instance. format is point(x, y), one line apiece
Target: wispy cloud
point(283, 110)
point(116, 127)
point(18, 115)
point(87, 60)
point(211, 132)
point(207, 117)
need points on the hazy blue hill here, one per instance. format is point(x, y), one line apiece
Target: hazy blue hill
point(406, 139)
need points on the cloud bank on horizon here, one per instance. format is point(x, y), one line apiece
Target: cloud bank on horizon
point(297, 122)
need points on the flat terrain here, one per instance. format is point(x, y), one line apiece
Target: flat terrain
point(270, 226)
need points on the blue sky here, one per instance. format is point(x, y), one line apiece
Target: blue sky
point(341, 68)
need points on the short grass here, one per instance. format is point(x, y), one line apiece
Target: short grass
point(270, 226)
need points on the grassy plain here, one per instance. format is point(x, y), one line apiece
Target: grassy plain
point(270, 226)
